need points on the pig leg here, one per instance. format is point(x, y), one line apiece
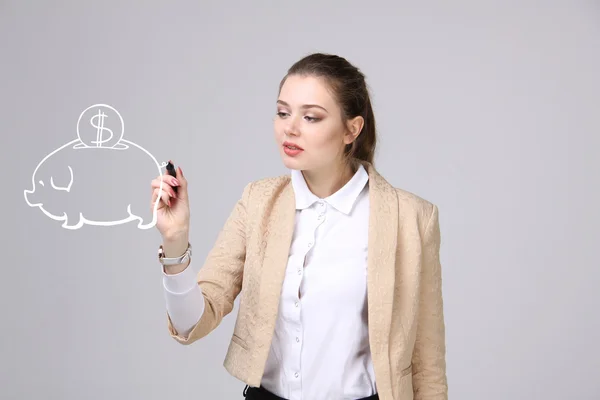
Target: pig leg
point(73, 220)
point(143, 214)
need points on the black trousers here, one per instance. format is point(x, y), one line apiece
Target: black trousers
point(260, 393)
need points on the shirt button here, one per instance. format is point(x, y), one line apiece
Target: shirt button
point(310, 244)
point(299, 272)
point(296, 374)
point(297, 304)
point(297, 339)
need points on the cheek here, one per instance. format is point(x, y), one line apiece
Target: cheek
point(278, 127)
point(324, 138)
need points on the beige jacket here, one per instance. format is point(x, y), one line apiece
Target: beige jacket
point(406, 322)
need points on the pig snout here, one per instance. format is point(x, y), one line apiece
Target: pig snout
point(31, 197)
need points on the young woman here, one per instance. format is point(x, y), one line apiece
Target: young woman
point(338, 271)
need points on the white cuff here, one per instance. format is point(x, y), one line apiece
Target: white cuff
point(181, 282)
point(185, 310)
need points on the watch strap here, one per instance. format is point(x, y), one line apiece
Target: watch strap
point(174, 260)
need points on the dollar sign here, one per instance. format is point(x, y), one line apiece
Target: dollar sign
point(100, 128)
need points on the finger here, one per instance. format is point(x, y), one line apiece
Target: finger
point(164, 193)
point(171, 180)
point(153, 201)
point(160, 204)
point(156, 183)
point(164, 197)
point(183, 183)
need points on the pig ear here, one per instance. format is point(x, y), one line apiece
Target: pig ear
point(66, 188)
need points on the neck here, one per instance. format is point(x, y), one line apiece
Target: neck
point(325, 182)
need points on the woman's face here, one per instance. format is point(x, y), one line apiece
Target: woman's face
point(309, 118)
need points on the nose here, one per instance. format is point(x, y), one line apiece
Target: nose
point(29, 197)
point(291, 129)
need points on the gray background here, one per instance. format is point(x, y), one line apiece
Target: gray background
point(491, 110)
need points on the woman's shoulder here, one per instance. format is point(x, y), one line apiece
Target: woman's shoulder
point(408, 201)
point(269, 183)
point(414, 200)
point(266, 187)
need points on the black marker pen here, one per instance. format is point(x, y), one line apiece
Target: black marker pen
point(171, 171)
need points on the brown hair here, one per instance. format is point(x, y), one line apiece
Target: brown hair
point(348, 86)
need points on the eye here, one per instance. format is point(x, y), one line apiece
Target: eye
point(281, 114)
point(42, 183)
point(311, 119)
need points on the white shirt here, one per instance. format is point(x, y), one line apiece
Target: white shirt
point(320, 347)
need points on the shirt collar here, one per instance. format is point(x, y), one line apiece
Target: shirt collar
point(342, 200)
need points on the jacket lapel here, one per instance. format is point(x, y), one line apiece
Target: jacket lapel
point(278, 235)
point(381, 263)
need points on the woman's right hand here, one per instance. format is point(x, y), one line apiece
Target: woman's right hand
point(173, 213)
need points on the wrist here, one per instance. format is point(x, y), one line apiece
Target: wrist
point(175, 246)
point(176, 234)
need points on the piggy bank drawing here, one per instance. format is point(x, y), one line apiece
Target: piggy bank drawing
point(81, 184)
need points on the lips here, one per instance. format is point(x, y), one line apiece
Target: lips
point(292, 146)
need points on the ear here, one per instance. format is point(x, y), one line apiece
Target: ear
point(354, 127)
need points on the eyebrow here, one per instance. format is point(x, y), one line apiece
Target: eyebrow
point(304, 106)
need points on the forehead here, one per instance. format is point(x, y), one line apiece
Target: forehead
point(298, 90)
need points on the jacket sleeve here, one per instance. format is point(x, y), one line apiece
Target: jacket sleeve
point(220, 278)
point(429, 356)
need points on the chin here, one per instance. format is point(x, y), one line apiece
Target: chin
point(292, 163)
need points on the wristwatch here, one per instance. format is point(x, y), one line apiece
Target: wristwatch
point(174, 260)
